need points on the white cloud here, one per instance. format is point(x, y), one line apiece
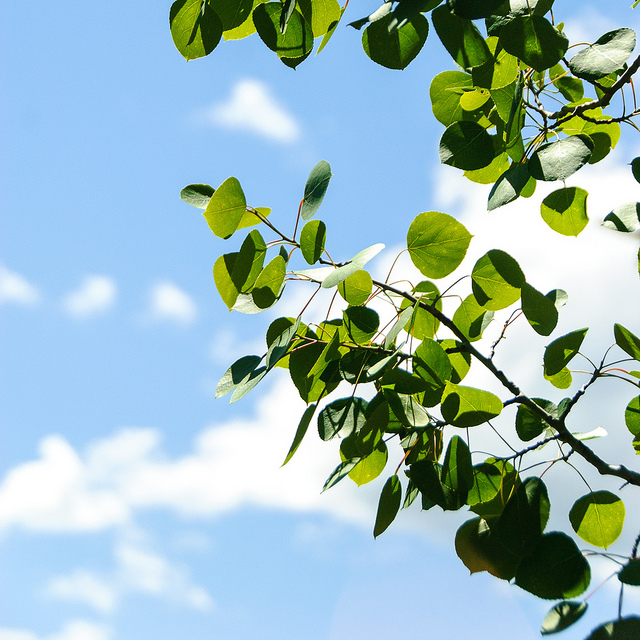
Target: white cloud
point(96, 295)
point(72, 630)
point(251, 107)
point(138, 570)
point(170, 303)
point(16, 289)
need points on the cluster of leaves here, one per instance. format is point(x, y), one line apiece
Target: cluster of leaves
point(516, 112)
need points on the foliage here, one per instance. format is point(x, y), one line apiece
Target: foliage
point(516, 110)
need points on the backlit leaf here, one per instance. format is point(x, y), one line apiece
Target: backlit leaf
point(196, 28)
point(226, 208)
point(315, 189)
point(341, 418)
point(565, 210)
point(312, 239)
point(496, 280)
point(356, 289)
point(598, 518)
point(561, 351)
point(627, 341)
point(539, 309)
point(467, 406)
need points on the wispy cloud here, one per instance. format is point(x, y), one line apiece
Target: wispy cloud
point(138, 570)
point(170, 303)
point(72, 630)
point(16, 289)
point(96, 295)
point(252, 107)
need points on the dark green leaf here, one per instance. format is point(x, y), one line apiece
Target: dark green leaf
point(466, 145)
point(561, 351)
point(457, 471)
point(196, 28)
point(236, 373)
point(555, 569)
point(268, 285)
point(606, 55)
point(432, 364)
point(301, 431)
point(627, 341)
point(437, 244)
point(598, 518)
point(630, 573)
point(341, 418)
point(361, 323)
point(312, 239)
point(534, 40)
point(528, 424)
point(407, 410)
point(561, 616)
point(342, 470)
point(427, 476)
point(622, 629)
point(281, 344)
point(395, 48)
point(635, 168)
point(558, 160)
point(460, 38)
point(496, 280)
point(493, 475)
point(539, 309)
point(388, 505)
point(509, 186)
point(565, 210)
point(474, 9)
point(315, 189)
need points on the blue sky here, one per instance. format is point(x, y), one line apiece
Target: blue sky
point(134, 505)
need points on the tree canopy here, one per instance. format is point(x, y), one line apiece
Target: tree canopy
point(386, 373)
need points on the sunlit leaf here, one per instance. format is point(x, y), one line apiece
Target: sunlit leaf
point(598, 518)
point(565, 210)
point(388, 505)
point(606, 55)
point(562, 615)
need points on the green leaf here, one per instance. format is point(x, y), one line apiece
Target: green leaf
point(606, 55)
point(625, 218)
point(627, 341)
point(356, 364)
point(558, 160)
point(423, 323)
point(427, 476)
point(555, 568)
point(466, 145)
point(342, 417)
point(269, 284)
point(528, 424)
point(630, 573)
point(341, 471)
point(320, 14)
point(301, 431)
point(395, 49)
point(357, 288)
point(437, 244)
point(534, 40)
point(245, 29)
point(598, 518)
point(539, 310)
point(196, 28)
point(632, 416)
point(460, 38)
point(315, 189)
point(472, 319)
point(467, 406)
point(312, 239)
point(399, 325)
point(432, 364)
point(499, 72)
point(236, 373)
point(330, 31)
point(474, 9)
point(560, 380)
point(280, 345)
point(460, 360)
point(496, 280)
point(361, 323)
point(370, 466)
point(356, 263)
point(561, 351)
point(295, 44)
point(233, 13)
point(565, 210)
point(388, 505)
point(222, 276)
point(509, 186)
point(457, 471)
point(635, 168)
point(197, 195)
point(495, 482)
point(621, 629)
point(226, 208)
point(446, 91)
point(407, 410)
point(250, 219)
point(562, 616)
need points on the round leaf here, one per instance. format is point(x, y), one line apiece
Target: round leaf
point(561, 351)
point(565, 210)
point(468, 407)
point(269, 283)
point(466, 145)
point(356, 289)
point(297, 40)
point(496, 280)
point(225, 209)
point(598, 518)
point(606, 55)
point(196, 28)
point(558, 160)
point(437, 243)
point(632, 416)
point(341, 418)
point(395, 49)
point(312, 239)
point(471, 318)
point(540, 310)
point(528, 424)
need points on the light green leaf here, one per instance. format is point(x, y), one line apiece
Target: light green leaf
point(598, 518)
point(558, 160)
point(459, 360)
point(330, 31)
point(561, 351)
point(432, 364)
point(355, 264)
point(565, 210)
point(468, 407)
point(560, 380)
point(399, 325)
point(472, 319)
point(534, 40)
point(196, 28)
point(562, 616)
point(606, 55)
point(246, 28)
point(554, 569)
point(625, 218)
point(466, 145)
point(312, 239)
point(407, 410)
point(197, 195)
point(315, 189)
point(357, 288)
point(226, 208)
point(250, 219)
point(397, 48)
point(627, 341)
point(460, 38)
point(499, 72)
point(320, 14)
point(423, 323)
point(268, 286)
point(361, 323)
point(632, 416)
point(222, 270)
point(370, 466)
point(388, 505)
point(496, 280)
point(540, 310)
point(437, 243)
point(446, 91)
point(248, 383)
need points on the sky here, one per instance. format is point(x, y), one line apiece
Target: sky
point(132, 503)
